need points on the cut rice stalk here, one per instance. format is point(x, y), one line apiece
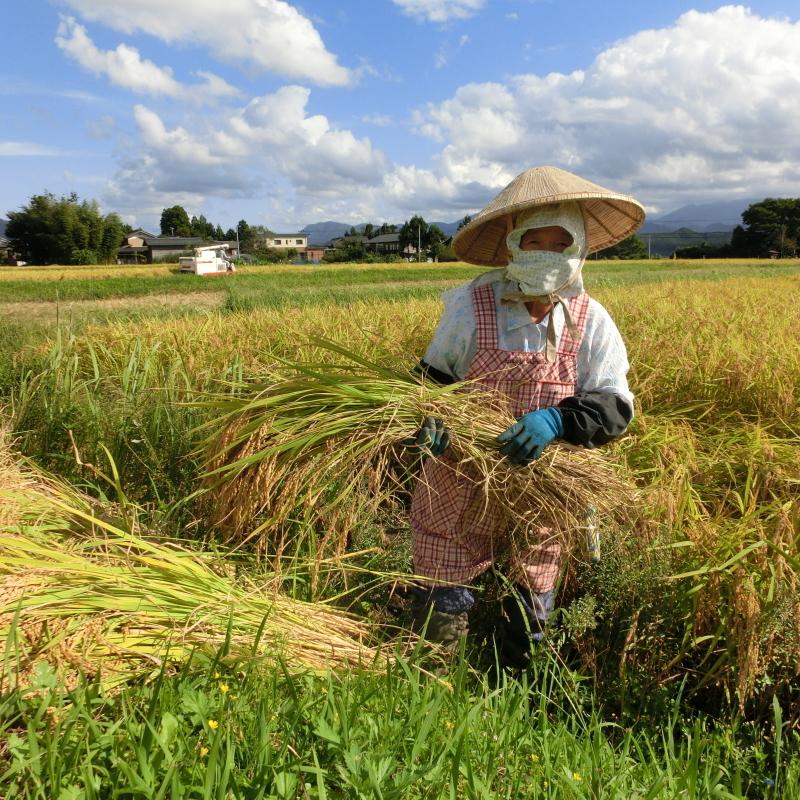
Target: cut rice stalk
point(314, 440)
point(88, 597)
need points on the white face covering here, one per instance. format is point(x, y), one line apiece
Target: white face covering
point(541, 273)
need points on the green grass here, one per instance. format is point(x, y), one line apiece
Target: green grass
point(221, 733)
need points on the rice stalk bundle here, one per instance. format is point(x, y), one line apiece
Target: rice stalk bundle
point(90, 598)
point(325, 441)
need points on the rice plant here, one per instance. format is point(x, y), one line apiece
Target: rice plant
point(91, 598)
point(325, 440)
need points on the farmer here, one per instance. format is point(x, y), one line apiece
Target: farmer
point(530, 331)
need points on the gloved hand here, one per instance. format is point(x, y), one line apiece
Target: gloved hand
point(527, 438)
point(433, 437)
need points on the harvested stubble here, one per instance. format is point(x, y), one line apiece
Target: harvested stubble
point(88, 597)
point(324, 442)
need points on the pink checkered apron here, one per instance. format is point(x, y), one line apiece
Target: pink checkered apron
point(457, 533)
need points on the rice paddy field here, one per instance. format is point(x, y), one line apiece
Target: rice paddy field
point(175, 623)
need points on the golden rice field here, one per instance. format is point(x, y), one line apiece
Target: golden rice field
point(697, 594)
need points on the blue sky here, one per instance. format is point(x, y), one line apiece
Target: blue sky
point(287, 113)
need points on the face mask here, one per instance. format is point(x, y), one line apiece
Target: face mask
point(541, 272)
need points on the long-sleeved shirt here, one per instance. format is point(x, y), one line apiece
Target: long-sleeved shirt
point(603, 404)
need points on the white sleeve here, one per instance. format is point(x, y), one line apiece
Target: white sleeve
point(452, 347)
point(602, 357)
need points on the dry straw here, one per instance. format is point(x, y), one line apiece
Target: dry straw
point(90, 598)
point(323, 442)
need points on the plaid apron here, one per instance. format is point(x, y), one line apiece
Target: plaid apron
point(456, 532)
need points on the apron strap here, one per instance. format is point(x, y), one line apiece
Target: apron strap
point(485, 317)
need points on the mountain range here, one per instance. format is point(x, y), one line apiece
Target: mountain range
point(718, 218)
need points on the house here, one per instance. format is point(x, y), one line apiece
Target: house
point(286, 241)
point(345, 241)
point(140, 246)
point(385, 244)
point(314, 253)
point(7, 255)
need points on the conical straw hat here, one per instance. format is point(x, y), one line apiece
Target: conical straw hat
point(609, 216)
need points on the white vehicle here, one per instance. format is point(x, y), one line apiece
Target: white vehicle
point(209, 260)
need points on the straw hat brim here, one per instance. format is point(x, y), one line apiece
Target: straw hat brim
point(609, 216)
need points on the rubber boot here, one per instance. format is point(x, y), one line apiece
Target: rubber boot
point(440, 615)
point(524, 616)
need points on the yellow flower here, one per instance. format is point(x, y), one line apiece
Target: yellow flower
point(217, 675)
point(534, 758)
point(448, 724)
point(576, 776)
point(203, 752)
point(213, 724)
point(223, 687)
point(234, 696)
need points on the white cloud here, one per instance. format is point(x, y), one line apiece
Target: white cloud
point(273, 140)
point(707, 106)
point(272, 35)
point(440, 10)
point(28, 149)
point(124, 67)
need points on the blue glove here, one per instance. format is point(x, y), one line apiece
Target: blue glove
point(432, 437)
point(527, 438)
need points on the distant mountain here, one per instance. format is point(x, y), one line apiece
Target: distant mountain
point(722, 215)
point(323, 232)
point(447, 228)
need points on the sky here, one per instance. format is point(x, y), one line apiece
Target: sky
point(287, 113)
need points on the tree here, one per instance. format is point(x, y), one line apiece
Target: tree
point(230, 235)
point(245, 236)
point(627, 249)
point(387, 228)
point(414, 232)
point(65, 230)
point(175, 222)
point(436, 240)
point(464, 222)
point(202, 228)
point(369, 231)
point(770, 225)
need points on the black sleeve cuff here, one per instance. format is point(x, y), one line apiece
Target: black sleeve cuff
point(592, 419)
point(432, 374)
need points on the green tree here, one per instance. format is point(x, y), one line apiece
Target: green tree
point(630, 248)
point(387, 228)
point(201, 227)
point(772, 225)
point(219, 234)
point(175, 222)
point(436, 240)
point(369, 231)
point(230, 235)
point(464, 222)
point(65, 230)
point(414, 232)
